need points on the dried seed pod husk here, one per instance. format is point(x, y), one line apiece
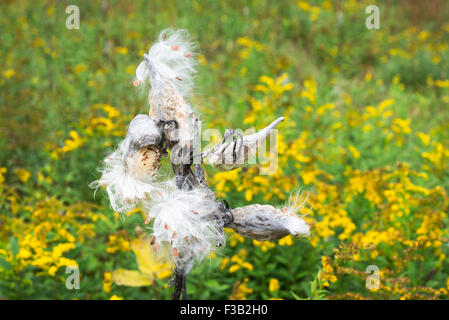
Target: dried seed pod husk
point(228, 156)
point(265, 222)
point(168, 104)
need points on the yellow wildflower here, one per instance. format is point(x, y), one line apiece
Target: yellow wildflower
point(273, 285)
point(9, 73)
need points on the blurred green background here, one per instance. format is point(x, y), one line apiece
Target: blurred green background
point(366, 135)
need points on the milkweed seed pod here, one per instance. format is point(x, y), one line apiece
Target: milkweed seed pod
point(265, 222)
point(169, 66)
point(129, 172)
point(142, 132)
point(142, 148)
point(144, 164)
point(234, 152)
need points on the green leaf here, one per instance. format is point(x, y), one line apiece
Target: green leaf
point(14, 246)
point(412, 271)
point(4, 264)
point(211, 283)
point(295, 295)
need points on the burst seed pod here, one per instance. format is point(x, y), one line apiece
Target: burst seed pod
point(228, 155)
point(144, 164)
point(164, 65)
point(128, 173)
point(265, 222)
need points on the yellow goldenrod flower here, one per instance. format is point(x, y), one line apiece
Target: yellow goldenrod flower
point(240, 290)
point(79, 68)
point(9, 73)
point(2, 171)
point(273, 285)
point(121, 50)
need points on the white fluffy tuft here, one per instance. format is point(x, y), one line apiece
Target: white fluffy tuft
point(125, 192)
point(297, 204)
point(171, 57)
point(184, 221)
point(296, 226)
point(142, 131)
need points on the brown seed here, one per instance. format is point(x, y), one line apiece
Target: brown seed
point(187, 54)
point(196, 239)
point(164, 37)
point(153, 239)
point(194, 212)
point(187, 240)
point(175, 252)
point(166, 227)
point(178, 78)
point(175, 48)
point(147, 220)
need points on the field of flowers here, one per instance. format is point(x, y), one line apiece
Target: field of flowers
point(366, 135)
